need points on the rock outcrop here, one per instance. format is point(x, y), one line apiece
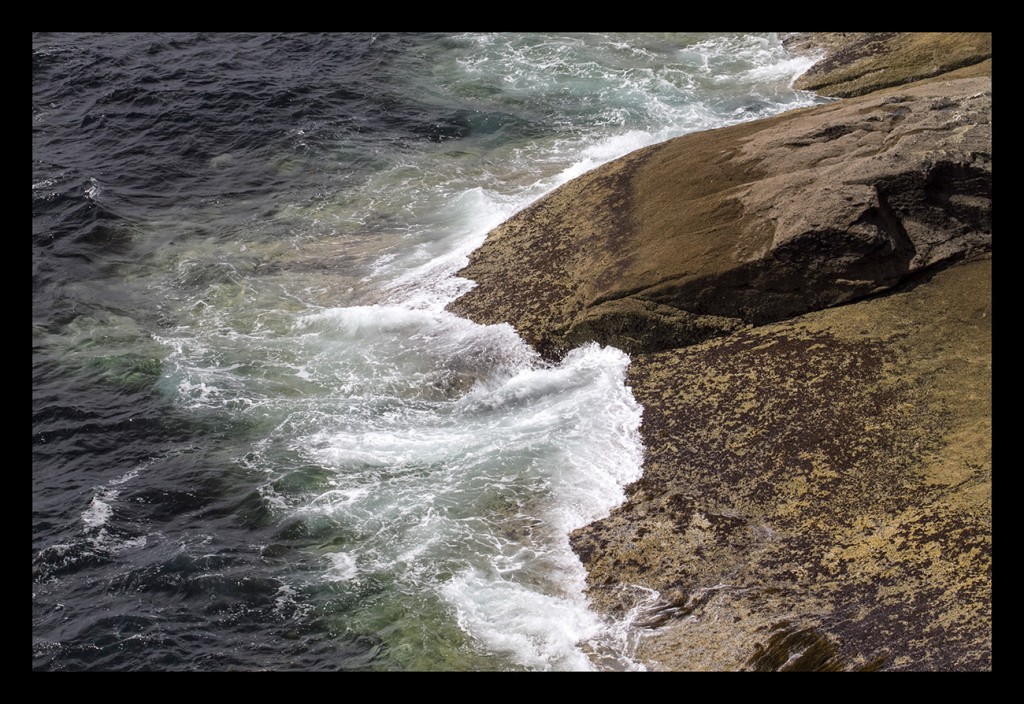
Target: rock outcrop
point(816, 492)
point(861, 62)
point(712, 232)
point(807, 304)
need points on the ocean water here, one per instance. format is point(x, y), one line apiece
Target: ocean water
point(259, 442)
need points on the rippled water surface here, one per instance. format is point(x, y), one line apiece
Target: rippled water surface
point(259, 441)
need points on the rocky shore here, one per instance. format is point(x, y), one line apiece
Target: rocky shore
point(806, 301)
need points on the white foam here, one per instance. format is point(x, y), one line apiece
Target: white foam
point(342, 568)
point(538, 630)
point(561, 437)
point(100, 510)
point(335, 499)
point(93, 190)
point(198, 393)
point(364, 321)
point(287, 604)
point(788, 69)
point(273, 499)
point(98, 513)
point(388, 448)
point(431, 284)
point(96, 518)
point(583, 410)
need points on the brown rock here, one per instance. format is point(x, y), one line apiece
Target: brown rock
point(858, 63)
point(708, 233)
point(816, 492)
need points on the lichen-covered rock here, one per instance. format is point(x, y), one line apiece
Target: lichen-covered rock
point(712, 232)
point(861, 62)
point(816, 492)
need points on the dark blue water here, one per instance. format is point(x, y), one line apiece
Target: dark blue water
point(258, 440)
